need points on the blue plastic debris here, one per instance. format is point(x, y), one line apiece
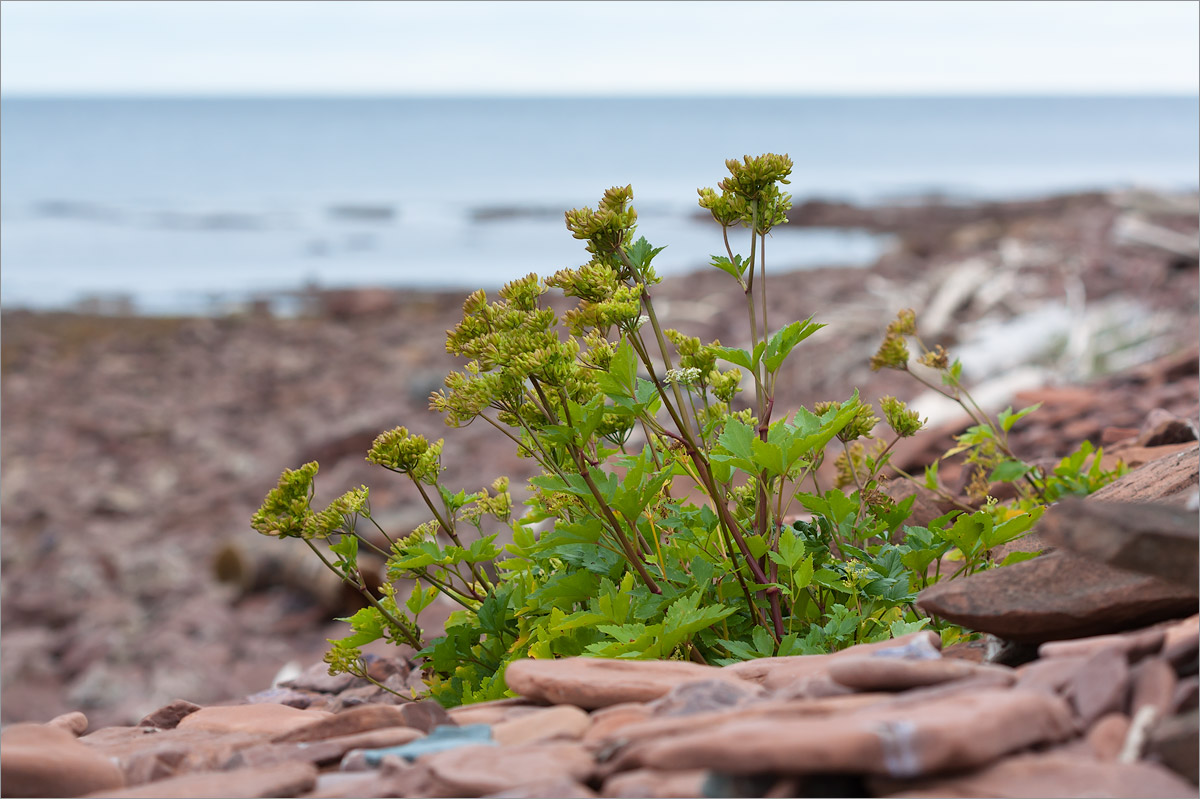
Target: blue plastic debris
point(443, 737)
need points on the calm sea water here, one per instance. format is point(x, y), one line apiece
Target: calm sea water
point(184, 203)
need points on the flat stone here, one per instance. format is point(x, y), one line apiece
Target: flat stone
point(1106, 738)
point(1099, 686)
point(264, 719)
point(592, 683)
point(284, 779)
point(1175, 742)
point(778, 672)
point(1153, 683)
point(894, 674)
point(75, 723)
point(1032, 776)
point(554, 788)
point(1186, 697)
point(290, 697)
point(1060, 595)
point(704, 696)
point(648, 782)
point(1171, 478)
point(1052, 675)
point(606, 721)
point(961, 731)
point(1158, 539)
point(168, 717)
point(348, 722)
point(1135, 645)
point(560, 721)
point(321, 752)
point(479, 770)
point(147, 754)
point(425, 715)
point(491, 712)
point(1182, 647)
point(40, 760)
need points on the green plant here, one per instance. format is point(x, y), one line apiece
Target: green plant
point(664, 508)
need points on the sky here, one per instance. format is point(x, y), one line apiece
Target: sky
point(148, 47)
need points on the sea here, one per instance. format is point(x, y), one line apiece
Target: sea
point(198, 205)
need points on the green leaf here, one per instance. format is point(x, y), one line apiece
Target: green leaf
point(1017, 557)
point(736, 357)
point(1008, 418)
point(418, 600)
point(1009, 470)
point(931, 476)
point(780, 345)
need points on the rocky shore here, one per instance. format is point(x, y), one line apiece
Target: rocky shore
point(134, 451)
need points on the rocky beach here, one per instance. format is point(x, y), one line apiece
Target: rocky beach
point(151, 644)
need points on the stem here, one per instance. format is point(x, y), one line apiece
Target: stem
point(361, 587)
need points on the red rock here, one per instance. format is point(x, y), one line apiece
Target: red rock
point(648, 782)
point(264, 719)
point(284, 779)
point(169, 716)
point(1099, 686)
point(778, 672)
point(1163, 427)
point(40, 760)
point(1186, 697)
point(607, 721)
point(1031, 776)
point(1134, 645)
point(561, 721)
point(1182, 646)
point(1059, 595)
point(596, 682)
point(1171, 478)
point(895, 674)
point(1159, 539)
point(1135, 457)
point(556, 788)
point(1107, 736)
point(479, 770)
point(705, 696)
point(1175, 742)
point(425, 715)
point(75, 723)
point(323, 751)
point(961, 731)
point(146, 754)
point(492, 712)
point(1153, 685)
point(1052, 675)
point(349, 722)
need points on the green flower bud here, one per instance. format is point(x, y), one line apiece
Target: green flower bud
point(903, 422)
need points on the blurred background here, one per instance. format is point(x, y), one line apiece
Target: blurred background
point(185, 156)
point(232, 236)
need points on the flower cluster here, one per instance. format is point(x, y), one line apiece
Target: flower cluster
point(750, 196)
point(903, 422)
point(402, 452)
point(285, 511)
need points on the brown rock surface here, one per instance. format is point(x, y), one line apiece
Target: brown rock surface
point(595, 682)
point(561, 721)
point(1055, 596)
point(40, 760)
point(1159, 539)
point(479, 770)
point(284, 779)
point(961, 732)
point(1035, 776)
point(261, 719)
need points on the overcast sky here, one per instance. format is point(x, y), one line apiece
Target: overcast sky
point(598, 48)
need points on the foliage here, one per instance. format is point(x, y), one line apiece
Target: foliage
point(658, 527)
